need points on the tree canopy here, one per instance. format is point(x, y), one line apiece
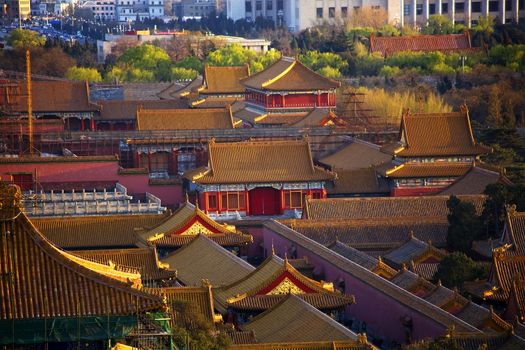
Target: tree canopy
point(326, 63)
point(25, 39)
point(457, 268)
point(236, 55)
point(80, 73)
point(464, 225)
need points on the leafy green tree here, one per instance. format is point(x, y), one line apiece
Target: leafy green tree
point(464, 225)
point(144, 56)
point(25, 39)
point(438, 24)
point(501, 156)
point(144, 63)
point(193, 331)
point(493, 215)
point(457, 268)
point(179, 73)
point(80, 73)
point(484, 29)
point(388, 30)
point(190, 62)
point(325, 63)
point(236, 55)
point(510, 56)
point(499, 196)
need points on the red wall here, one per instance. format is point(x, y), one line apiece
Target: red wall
point(381, 312)
point(53, 171)
point(93, 171)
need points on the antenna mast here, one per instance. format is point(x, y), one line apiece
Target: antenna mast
point(29, 103)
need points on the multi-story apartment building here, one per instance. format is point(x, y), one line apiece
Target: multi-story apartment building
point(132, 10)
point(17, 8)
point(300, 14)
point(195, 8)
point(103, 10)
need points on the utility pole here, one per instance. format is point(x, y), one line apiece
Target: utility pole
point(29, 103)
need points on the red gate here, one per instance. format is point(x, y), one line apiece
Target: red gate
point(264, 201)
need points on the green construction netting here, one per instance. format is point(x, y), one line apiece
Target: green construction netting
point(65, 329)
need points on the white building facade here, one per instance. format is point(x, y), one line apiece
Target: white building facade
point(301, 14)
point(417, 12)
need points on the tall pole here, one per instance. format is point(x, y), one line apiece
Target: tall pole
point(29, 103)
point(19, 15)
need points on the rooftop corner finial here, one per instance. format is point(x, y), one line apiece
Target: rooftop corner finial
point(197, 201)
point(511, 209)
point(187, 197)
point(10, 196)
point(273, 248)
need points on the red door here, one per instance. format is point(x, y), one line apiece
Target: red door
point(264, 201)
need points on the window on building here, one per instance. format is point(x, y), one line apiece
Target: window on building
point(258, 6)
point(269, 5)
point(476, 7)
point(319, 12)
point(213, 204)
point(293, 199)
point(406, 10)
point(419, 9)
point(508, 5)
point(280, 5)
point(186, 160)
point(317, 195)
point(344, 11)
point(331, 12)
point(248, 6)
point(521, 5)
point(232, 201)
point(444, 8)
point(459, 7)
point(432, 9)
point(493, 6)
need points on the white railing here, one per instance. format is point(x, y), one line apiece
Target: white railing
point(92, 208)
point(119, 193)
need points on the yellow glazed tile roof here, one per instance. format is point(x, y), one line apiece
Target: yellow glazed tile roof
point(259, 161)
point(204, 259)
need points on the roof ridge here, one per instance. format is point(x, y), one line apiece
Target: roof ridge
point(370, 276)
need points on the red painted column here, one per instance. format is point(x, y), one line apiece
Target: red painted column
point(318, 98)
point(219, 202)
point(149, 161)
point(93, 124)
point(283, 101)
point(281, 205)
point(82, 124)
point(247, 202)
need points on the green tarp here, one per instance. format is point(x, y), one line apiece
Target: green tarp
point(65, 329)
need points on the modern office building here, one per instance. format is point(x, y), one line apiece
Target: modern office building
point(300, 14)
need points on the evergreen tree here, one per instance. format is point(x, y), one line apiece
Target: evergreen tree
point(464, 225)
point(457, 268)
